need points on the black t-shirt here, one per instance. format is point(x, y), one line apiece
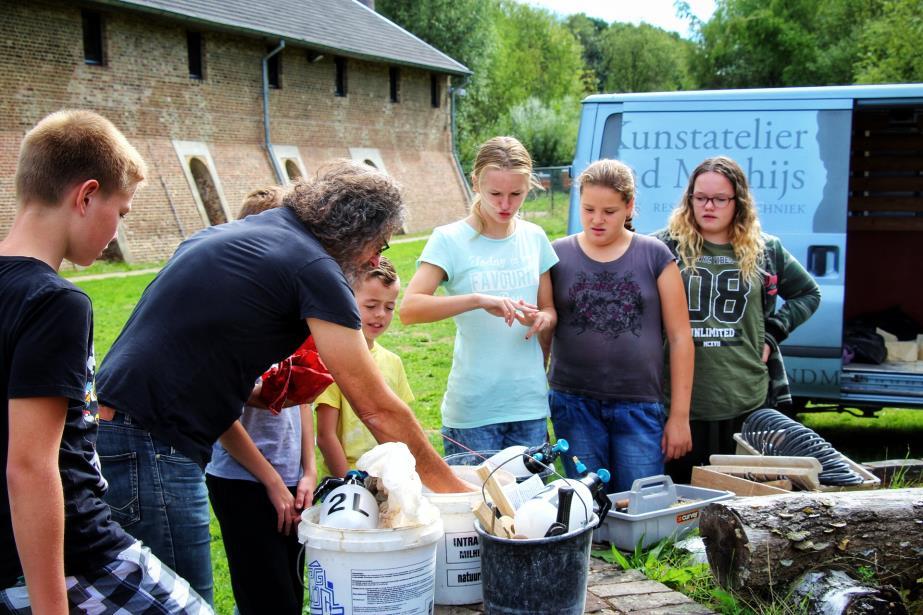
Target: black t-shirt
point(46, 350)
point(230, 302)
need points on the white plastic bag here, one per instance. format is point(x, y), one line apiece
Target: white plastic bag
point(395, 468)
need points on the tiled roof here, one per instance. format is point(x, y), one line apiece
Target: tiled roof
point(343, 27)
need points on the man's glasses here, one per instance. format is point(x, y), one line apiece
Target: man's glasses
point(720, 201)
point(383, 248)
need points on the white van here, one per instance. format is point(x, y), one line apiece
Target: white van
point(838, 175)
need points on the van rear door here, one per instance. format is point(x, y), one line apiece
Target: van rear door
point(796, 156)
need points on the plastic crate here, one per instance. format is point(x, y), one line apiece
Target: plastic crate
point(651, 515)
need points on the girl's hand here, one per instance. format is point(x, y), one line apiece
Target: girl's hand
point(766, 351)
point(505, 308)
point(284, 503)
point(537, 321)
point(677, 439)
point(304, 492)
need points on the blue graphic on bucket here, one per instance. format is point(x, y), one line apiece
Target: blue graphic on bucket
point(323, 600)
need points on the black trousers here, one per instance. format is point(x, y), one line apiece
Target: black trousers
point(708, 438)
point(266, 570)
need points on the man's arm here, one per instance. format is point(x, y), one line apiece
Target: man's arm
point(347, 356)
point(37, 497)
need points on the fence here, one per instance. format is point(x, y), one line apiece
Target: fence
point(549, 207)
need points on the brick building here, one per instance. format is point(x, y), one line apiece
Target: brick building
point(184, 79)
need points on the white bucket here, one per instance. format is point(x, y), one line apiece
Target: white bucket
point(382, 571)
point(458, 557)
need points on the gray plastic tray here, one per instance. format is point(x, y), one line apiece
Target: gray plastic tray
point(650, 518)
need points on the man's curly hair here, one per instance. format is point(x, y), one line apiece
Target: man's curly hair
point(348, 206)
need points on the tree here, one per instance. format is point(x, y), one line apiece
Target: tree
point(751, 43)
point(589, 32)
point(644, 59)
point(459, 28)
point(773, 43)
point(532, 55)
point(549, 132)
point(891, 50)
point(516, 52)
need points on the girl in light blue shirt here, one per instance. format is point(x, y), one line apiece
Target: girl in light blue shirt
point(494, 267)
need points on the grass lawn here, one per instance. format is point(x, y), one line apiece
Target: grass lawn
point(427, 354)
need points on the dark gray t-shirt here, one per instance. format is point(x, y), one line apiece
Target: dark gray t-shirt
point(231, 301)
point(609, 340)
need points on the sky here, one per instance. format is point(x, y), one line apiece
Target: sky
point(660, 13)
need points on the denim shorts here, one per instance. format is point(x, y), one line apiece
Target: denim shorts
point(495, 437)
point(622, 436)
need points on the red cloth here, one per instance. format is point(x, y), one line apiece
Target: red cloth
point(298, 379)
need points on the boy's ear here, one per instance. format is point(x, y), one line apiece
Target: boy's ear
point(85, 191)
point(474, 182)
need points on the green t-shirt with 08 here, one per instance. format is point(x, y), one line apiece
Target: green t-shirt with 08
point(726, 315)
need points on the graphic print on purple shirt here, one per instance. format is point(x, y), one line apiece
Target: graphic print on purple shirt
point(607, 303)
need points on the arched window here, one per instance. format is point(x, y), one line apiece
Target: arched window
point(208, 192)
point(292, 170)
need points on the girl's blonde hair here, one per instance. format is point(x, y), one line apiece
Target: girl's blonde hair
point(502, 154)
point(745, 233)
point(612, 174)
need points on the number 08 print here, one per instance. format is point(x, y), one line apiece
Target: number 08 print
point(722, 297)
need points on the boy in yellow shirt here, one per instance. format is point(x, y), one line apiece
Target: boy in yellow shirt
point(341, 436)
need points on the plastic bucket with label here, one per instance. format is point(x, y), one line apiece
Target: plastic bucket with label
point(383, 571)
point(458, 557)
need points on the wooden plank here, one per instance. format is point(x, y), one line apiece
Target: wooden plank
point(887, 163)
point(870, 481)
point(495, 492)
point(486, 516)
point(896, 183)
point(871, 223)
point(885, 203)
point(810, 463)
point(504, 527)
point(862, 142)
point(803, 477)
point(884, 121)
point(703, 477)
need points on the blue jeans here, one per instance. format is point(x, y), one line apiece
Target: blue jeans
point(158, 495)
point(495, 437)
point(622, 436)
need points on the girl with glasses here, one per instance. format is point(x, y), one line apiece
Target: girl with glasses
point(733, 273)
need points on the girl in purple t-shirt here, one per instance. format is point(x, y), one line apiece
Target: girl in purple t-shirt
point(616, 293)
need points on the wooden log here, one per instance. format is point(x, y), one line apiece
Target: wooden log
point(833, 592)
point(760, 543)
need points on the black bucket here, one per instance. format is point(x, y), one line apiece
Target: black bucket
point(530, 577)
point(476, 459)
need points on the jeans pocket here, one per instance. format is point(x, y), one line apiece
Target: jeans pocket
point(121, 471)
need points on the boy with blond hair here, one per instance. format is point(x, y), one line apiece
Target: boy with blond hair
point(60, 551)
point(341, 436)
